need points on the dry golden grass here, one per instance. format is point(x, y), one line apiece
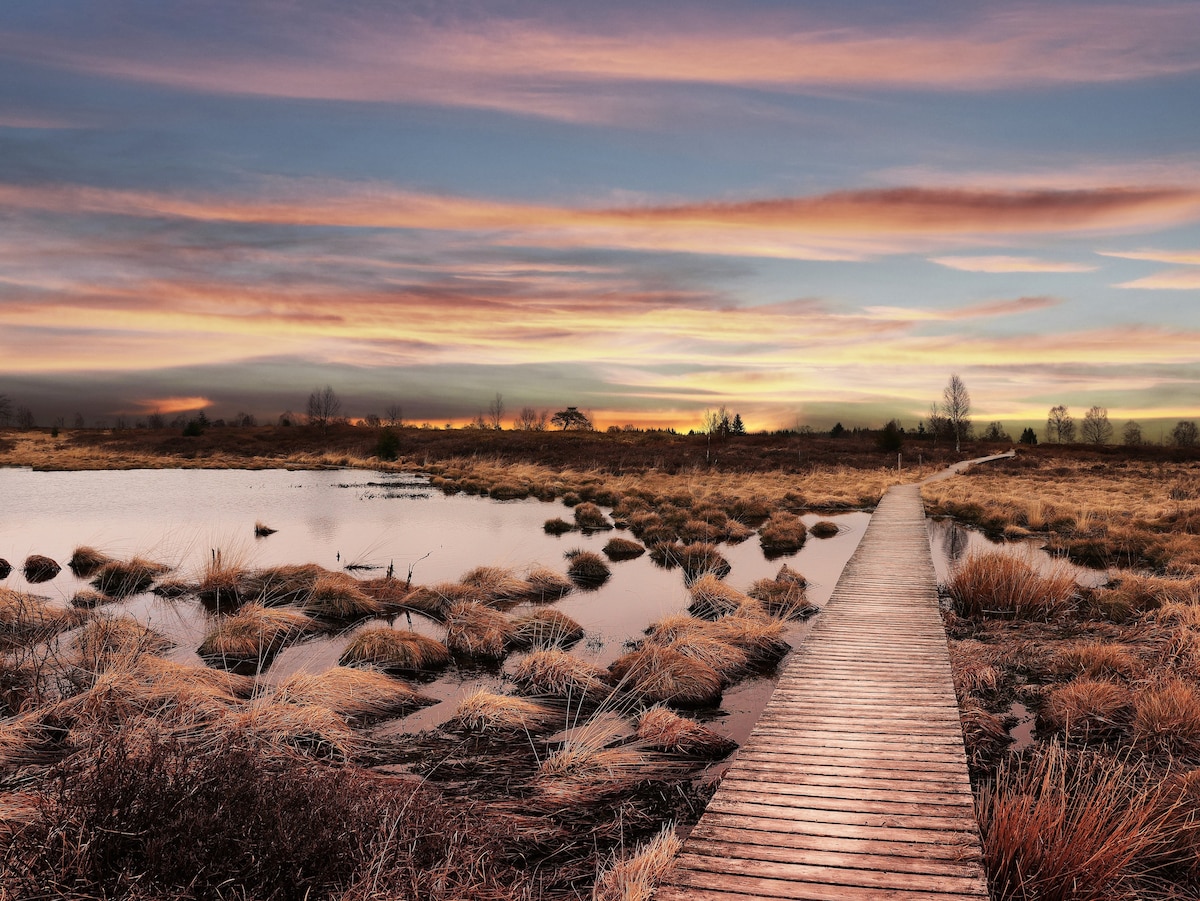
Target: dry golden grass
point(1133, 594)
point(394, 650)
point(486, 713)
point(543, 628)
point(352, 692)
point(659, 674)
point(26, 619)
point(1003, 584)
point(476, 632)
point(1167, 719)
point(1071, 826)
point(546, 585)
point(782, 532)
point(39, 568)
point(285, 584)
point(587, 570)
point(664, 730)
point(591, 518)
point(86, 560)
point(339, 597)
point(270, 725)
point(435, 600)
point(824, 529)
point(1088, 708)
point(121, 578)
point(727, 660)
point(712, 598)
point(86, 599)
point(975, 668)
point(760, 637)
point(623, 549)
point(108, 638)
point(701, 559)
point(253, 636)
point(1098, 660)
point(495, 585)
point(634, 877)
point(554, 673)
point(784, 596)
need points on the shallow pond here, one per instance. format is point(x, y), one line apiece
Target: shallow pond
point(340, 518)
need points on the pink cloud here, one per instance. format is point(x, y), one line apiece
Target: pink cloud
point(1003, 264)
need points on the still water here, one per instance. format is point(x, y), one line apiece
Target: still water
point(354, 517)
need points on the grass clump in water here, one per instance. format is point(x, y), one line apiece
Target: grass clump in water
point(122, 578)
point(623, 549)
point(546, 585)
point(247, 641)
point(665, 730)
point(591, 518)
point(395, 651)
point(39, 568)
point(658, 674)
point(554, 673)
point(587, 570)
point(784, 596)
point(86, 560)
point(782, 533)
point(476, 632)
point(1002, 584)
point(545, 628)
point(486, 713)
point(351, 692)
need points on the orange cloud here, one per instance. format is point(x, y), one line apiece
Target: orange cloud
point(1001, 264)
point(845, 225)
point(974, 311)
point(1179, 257)
point(167, 405)
point(1173, 280)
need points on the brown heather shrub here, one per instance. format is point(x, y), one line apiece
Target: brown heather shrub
point(554, 673)
point(39, 569)
point(86, 560)
point(149, 817)
point(587, 570)
point(358, 694)
point(664, 730)
point(1073, 826)
point(543, 628)
point(545, 585)
point(1087, 708)
point(486, 713)
point(782, 533)
point(657, 674)
point(122, 578)
point(1001, 584)
point(1167, 719)
point(623, 549)
point(712, 598)
point(395, 651)
point(635, 877)
point(591, 518)
point(476, 632)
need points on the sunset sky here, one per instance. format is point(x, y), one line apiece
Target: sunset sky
point(804, 211)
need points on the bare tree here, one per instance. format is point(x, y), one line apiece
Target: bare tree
point(956, 407)
point(938, 427)
point(1184, 434)
point(6, 411)
point(1060, 427)
point(79, 422)
point(156, 421)
point(1131, 435)
point(394, 414)
point(495, 412)
point(1096, 429)
point(531, 420)
point(25, 418)
point(324, 407)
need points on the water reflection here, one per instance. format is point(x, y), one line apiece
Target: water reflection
point(951, 543)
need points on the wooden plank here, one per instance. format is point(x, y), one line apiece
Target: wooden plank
point(853, 784)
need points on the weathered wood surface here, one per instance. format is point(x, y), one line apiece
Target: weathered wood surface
point(853, 785)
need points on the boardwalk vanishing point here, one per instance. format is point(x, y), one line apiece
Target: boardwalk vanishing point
point(853, 785)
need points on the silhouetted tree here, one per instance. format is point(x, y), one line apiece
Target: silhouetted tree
point(890, 438)
point(495, 412)
point(79, 422)
point(956, 407)
point(372, 420)
point(25, 418)
point(531, 420)
point(995, 432)
point(737, 427)
point(837, 431)
point(6, 411)
point(324, 407)
point(1131, 435)
point(571, 419)
point(156, 421)
point(1096, 428)
point(1029, 436)
point(1184, 434)
point(1060, 427)
point(394, 413)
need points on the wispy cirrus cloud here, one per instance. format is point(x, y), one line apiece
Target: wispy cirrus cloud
point(541, 64)
point(1006, 264)
point(1174, 280)
point(1014, 307)
point(1180, 257)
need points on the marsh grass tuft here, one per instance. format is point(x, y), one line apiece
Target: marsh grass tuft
point(395, 651)
point(546, 585)
point(122, 578)
point(39, 568)
point(659, 674)
point(86, 560)
point(782, 533)
point(587, 570)
point(784, 596)
point(477, 632)
point(485, 712)
point(351, 692)
point(544, 628)
point(554, 673)
point(26, 619)
point(591, 518)
point(634, 877)
point(712, 598)
point(664, 730)
point(623, 549)
point(1003, 584)
point(247, 641)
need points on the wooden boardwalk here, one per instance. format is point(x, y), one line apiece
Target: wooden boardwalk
point(853, 785)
